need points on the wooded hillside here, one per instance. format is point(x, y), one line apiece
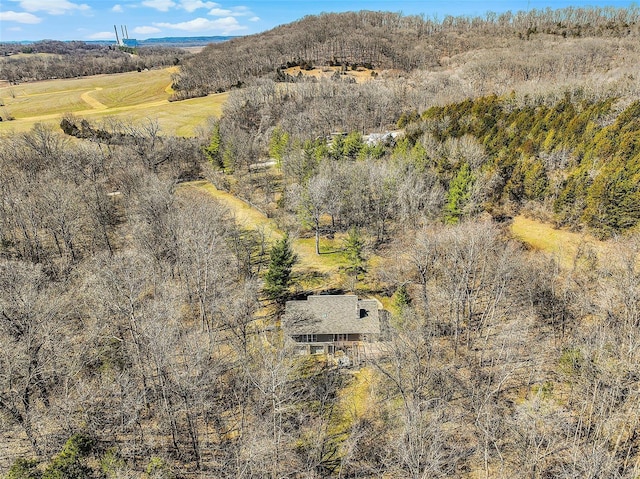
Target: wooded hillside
point(385, 40)
point(140, 332)
point(50, 59)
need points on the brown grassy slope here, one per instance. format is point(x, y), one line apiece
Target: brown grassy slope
point(561, 244)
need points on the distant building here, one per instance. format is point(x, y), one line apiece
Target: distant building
point(332, 323)
point(388, 138)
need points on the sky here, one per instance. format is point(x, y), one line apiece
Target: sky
point(22, 20)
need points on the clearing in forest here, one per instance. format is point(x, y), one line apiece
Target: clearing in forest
point(562, 244)
point(316, 271)
point(131, 96)
point(360, 75)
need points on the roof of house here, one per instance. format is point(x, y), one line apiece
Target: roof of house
point(332, 314)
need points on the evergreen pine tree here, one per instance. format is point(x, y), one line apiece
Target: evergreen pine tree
point(72, 461)
point(402, 297)
point(278, 277)
point(278, 144)
point(459, 194)
point(24, 469)
point(214, 150)
point(354, 252)
point(352, 145)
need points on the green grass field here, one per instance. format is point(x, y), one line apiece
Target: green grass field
point(129, 96)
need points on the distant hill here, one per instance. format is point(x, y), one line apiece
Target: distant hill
point(49, 59)
point(19, 61)
point(182, 41)
point(385, 40)
point(149, 42)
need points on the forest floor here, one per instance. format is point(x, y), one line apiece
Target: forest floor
point(98, 97)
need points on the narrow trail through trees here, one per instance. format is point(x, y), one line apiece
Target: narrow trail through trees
point(246, 216)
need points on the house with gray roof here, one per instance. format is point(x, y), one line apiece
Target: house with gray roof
point(331, 323)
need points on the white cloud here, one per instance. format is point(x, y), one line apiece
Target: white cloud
point(222, 26)
point(220, 12)
point(117, 9)
point(193, 5)
point(240, 11)
point(254, 19)
point(15, 29)
point(162, 5)
point(146, 30)
point(101, 36)
point(57, 7)
point(19, 17)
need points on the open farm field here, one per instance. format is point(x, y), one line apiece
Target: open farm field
point(128, 96)
point(21, 55)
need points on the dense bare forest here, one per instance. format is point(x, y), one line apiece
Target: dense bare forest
point(407, 43)
point(140, 322)
point(50, 59)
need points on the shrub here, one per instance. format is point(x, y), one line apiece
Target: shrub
point(70, 462)
point(24, 469)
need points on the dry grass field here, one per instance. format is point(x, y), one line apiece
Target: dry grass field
point(360, 75)
point(561, 244)
point(128, 96)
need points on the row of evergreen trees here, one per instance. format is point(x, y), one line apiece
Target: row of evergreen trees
point(576, 155)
